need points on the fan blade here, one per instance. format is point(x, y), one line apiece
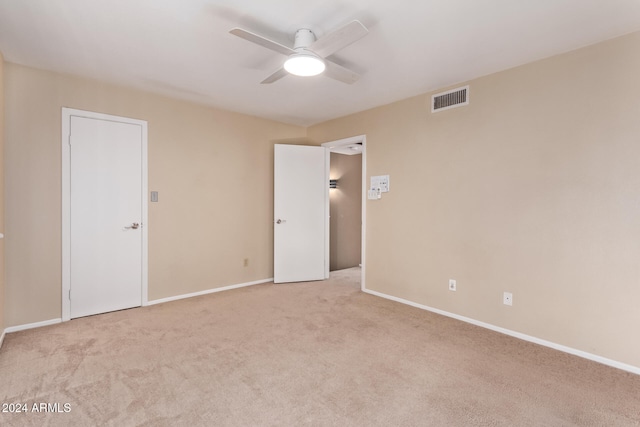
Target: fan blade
point(339, 39)
point(275, 76)
point(264, 42)
point(338, 72)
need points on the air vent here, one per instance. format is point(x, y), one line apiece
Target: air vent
point(450, 99)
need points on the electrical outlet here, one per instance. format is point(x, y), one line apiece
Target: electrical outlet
point(507, 298)
point(452, 285)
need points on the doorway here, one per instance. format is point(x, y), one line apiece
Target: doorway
point(352, 145)
point(104, 213)
point(345, 203)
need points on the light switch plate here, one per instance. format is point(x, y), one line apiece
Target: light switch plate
point(154, 196)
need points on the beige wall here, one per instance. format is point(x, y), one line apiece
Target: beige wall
point(345, 211)
point(213, 170)
point(533, 188)
point(2, 230)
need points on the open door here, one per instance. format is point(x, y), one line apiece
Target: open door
point(301, 217)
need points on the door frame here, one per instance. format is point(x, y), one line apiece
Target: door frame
point(67, 113)
point(363, 233)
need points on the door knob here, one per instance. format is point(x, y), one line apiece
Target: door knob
point(134, 226)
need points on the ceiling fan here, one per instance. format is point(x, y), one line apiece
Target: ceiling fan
point(308, 57)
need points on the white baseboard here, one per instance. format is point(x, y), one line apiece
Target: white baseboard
point(563, 348)
point(158, 301)
point(32, 325)
point(208, 291)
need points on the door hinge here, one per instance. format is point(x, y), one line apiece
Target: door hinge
point(69, 294)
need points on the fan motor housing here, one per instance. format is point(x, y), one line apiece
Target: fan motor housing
point(303, 38)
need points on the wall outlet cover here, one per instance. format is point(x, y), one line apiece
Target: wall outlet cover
point(507, 298)
point(452, 285)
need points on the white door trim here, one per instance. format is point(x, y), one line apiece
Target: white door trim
point(327, 212)
point(67, 113)
point(341, 143)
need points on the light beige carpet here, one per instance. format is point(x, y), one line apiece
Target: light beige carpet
point(317, 353)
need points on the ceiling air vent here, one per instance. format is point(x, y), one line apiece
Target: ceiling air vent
point(450, 99)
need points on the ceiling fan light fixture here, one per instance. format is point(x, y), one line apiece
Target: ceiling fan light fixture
point(304, 64)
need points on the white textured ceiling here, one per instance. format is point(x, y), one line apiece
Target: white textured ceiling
point(183, 49)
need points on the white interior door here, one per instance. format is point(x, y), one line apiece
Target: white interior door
point(301, 192)
point(106, 215)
